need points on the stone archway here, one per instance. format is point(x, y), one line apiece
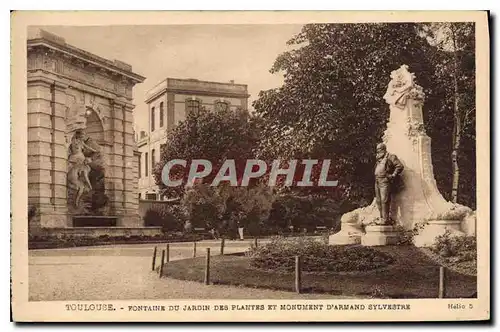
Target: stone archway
point(58, 98)
point(93, 126)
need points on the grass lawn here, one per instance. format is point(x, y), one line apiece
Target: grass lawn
point(412, 275)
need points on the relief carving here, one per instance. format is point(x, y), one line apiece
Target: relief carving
point(402, 88)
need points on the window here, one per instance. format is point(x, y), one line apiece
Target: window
point(193, 106)
point(151, 196)
point(152, 119)
point(153, 157)
point(146, 164)
point(161, 114)
point(221, 106)
point(140, 166)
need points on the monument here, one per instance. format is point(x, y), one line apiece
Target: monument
point(417, 204)
point(82, 170)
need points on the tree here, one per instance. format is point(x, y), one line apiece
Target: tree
point(211, 135)
point(224, 207)
point(456, 72)
point(330, 105)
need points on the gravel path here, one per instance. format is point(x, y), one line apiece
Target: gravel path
point(124, 273)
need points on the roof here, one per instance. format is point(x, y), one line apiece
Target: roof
point(194, 86)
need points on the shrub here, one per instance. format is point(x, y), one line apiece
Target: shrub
point(317, 256)
point(168, 217)
point(461, 248)
point(303, 212)
point(224, 207)
point(406, 236)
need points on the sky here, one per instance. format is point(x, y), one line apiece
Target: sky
point(243, 53)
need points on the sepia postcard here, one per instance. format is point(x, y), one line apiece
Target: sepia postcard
point(320, 166)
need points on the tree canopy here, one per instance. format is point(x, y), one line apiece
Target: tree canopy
point(212, 135)
point(330, 105)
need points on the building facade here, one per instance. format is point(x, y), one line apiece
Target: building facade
point(73, 97)
point(168, 103)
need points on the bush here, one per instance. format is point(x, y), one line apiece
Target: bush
point(460, 248)
point(406, 236)
point(224, 208)
point(167, 216)
point(279, 255)
point(306, 212)
point(68, 241)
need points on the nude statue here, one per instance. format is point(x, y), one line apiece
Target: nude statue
point(78, 174)
point(77, 146)
point(78, 177)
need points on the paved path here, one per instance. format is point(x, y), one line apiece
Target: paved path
point(123, 272)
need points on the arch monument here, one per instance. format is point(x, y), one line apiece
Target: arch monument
point(82, 153)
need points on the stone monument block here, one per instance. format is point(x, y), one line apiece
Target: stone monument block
point(380, 235)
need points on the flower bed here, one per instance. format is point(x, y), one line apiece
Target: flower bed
point(411, 275)
point(456, 252)
point(279, 255)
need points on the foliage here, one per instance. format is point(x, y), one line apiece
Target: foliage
point(225, 207)
point(212, 135)
point(316, 256)
point(407, 235)
point(168, 217)
point(461, 248)
point(455, 77)
point(331, 106)
point(303, 212)
point(49, 241)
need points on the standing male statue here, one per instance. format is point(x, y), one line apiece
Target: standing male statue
point(387, 171)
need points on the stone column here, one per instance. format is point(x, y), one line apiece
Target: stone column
point(114, 172)
point(47, 153)
point(130, 179)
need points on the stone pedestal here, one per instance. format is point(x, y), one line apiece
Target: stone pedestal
point(380, 235)
point(434, 228)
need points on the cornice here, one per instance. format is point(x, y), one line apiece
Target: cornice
point(196, 93)
point(84, 58)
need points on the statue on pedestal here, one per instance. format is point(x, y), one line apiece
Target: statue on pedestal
point(387, 180)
